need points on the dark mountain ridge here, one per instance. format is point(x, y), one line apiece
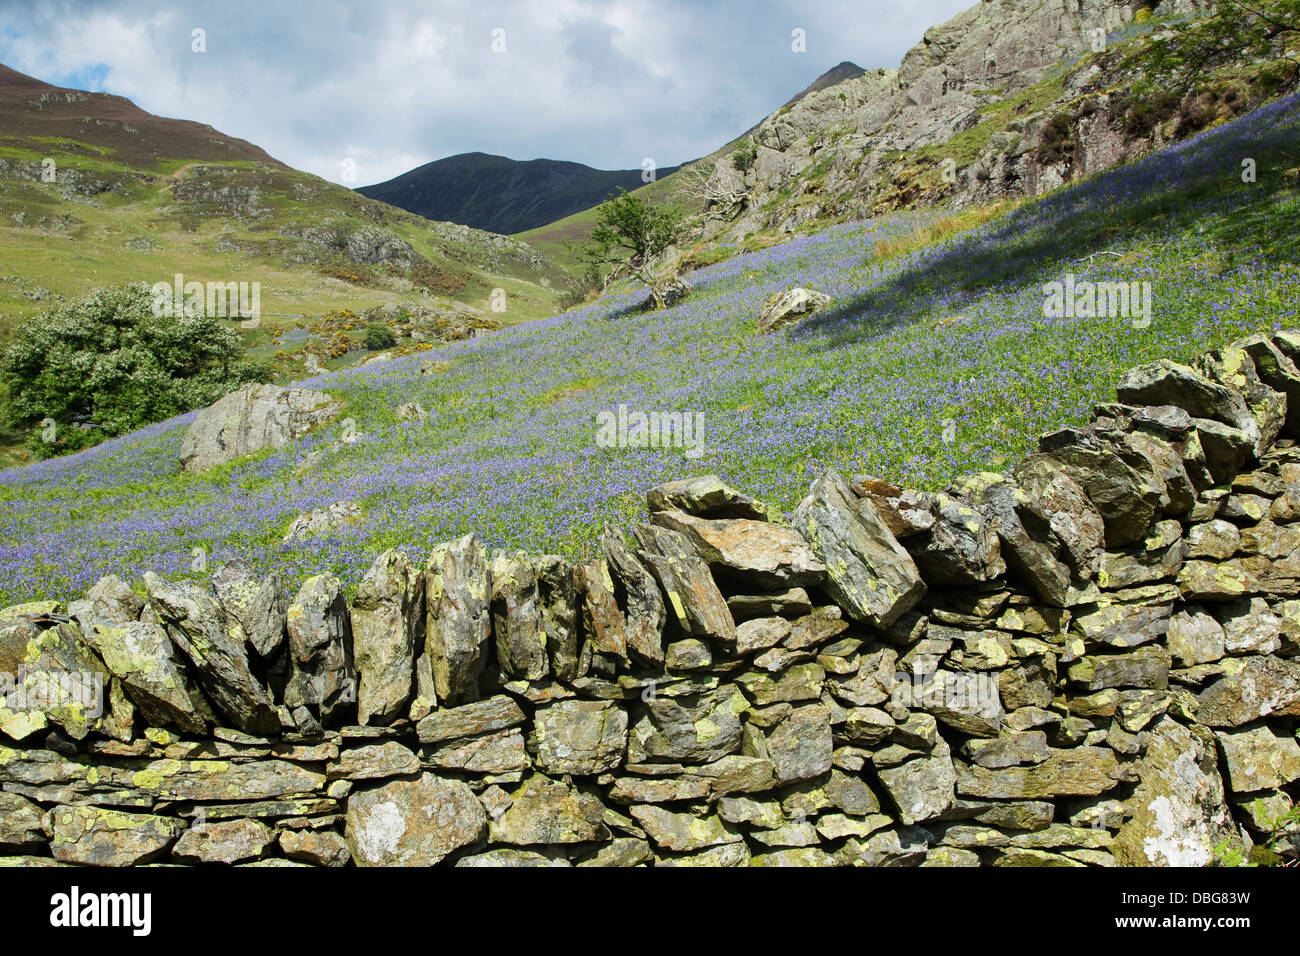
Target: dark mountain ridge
point(500, 194)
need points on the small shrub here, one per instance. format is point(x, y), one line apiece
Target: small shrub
point(378, 337)
point(743, 159)
point(1058, 139)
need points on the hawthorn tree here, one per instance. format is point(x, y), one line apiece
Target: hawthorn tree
point(1235, 31)
point(631, 234)
point(108, 365)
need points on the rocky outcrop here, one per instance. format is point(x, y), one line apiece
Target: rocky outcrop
point(1092, 659)
point(252, 419)
point(1007, 91)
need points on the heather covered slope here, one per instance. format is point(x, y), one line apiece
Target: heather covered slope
point(928, 364)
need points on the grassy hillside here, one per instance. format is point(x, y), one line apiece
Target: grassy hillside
point(932, 361)
point(136, 197)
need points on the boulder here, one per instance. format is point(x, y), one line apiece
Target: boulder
point(321, 522)
point(251, 419)
point(1169, 383)
point(785, 308)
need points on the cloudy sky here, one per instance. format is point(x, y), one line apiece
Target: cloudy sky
point(395, 84)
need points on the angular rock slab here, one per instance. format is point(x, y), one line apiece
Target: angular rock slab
point(868, 573)
point(99, 837)
point(197, 625)
point(520, 641)
point(771, 555)
point(584, 737)
point(546, 811)
point(601, 622)
point(1259, 759)
point(695, 729)
point(55, 679)
point(708, 497)
point(256, 605)
point(224, 841)
point(387, 632)
point(645, 612)
point(1081, 771)
point(1180, 812)
point(320, 642)
point(1262, 686)
point(921, 788)
point(459, 623)
point(470, 720)
point(413, 822)
point(141, 655)
point(557, 603)
point(697, 604)
point(1169, 383)
point(801, 746)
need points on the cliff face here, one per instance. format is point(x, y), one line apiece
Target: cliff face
point(1011, 92)
point(1089, 660)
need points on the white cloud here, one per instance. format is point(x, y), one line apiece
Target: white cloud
point(394, 85)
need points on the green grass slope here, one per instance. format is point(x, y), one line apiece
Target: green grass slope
point(135, 197)
point(929, 363)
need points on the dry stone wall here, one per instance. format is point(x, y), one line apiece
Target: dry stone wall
point(1090, 660)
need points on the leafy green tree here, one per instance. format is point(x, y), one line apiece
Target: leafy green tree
point(108, 365)
point(1235, 31)
point(631, 234)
